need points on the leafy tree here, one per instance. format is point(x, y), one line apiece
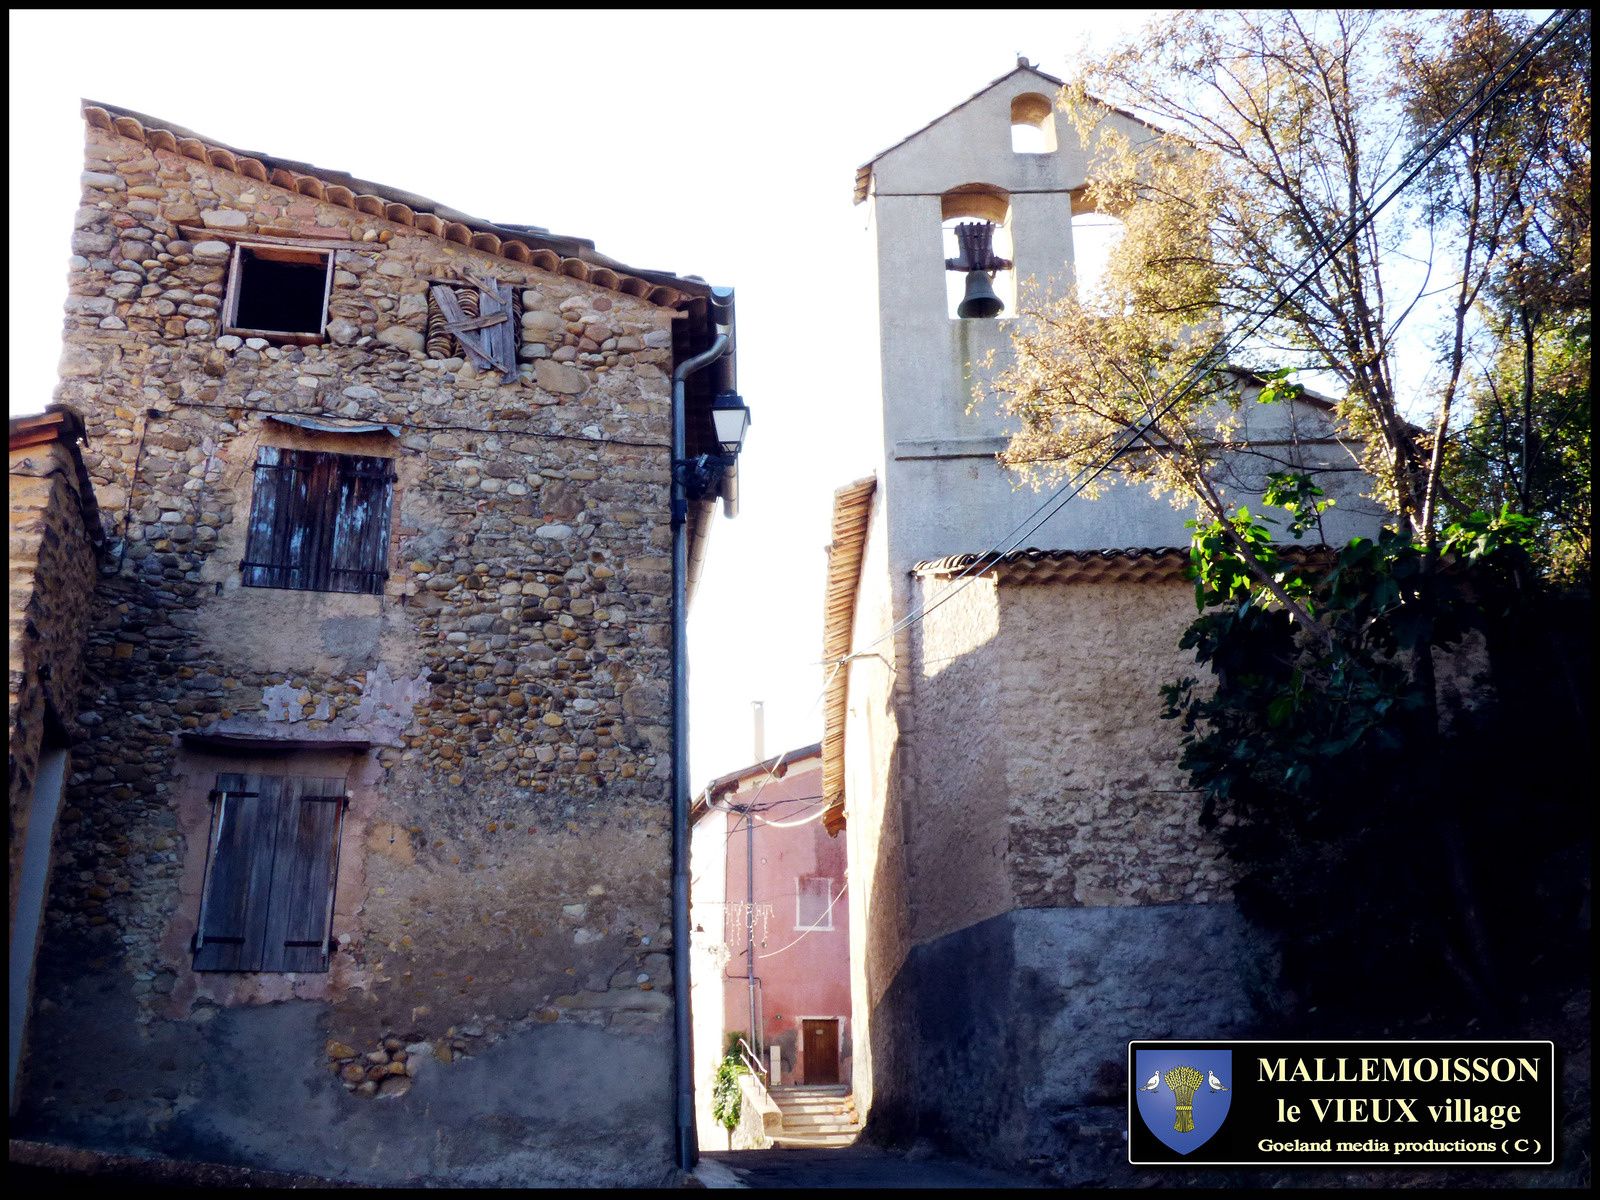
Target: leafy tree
point(1365, 804)
point(1272, 135)
point(1514, 192)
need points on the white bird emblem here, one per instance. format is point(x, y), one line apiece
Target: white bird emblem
point(1216, 1084)
point(1152, 1083)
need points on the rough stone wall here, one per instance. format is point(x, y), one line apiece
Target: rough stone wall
point(508, 903)
point(960, 842)
point(1026, 1019)
point(51, 564)
point(1099, 810)
point(1062, 897)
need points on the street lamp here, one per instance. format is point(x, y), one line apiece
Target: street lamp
point(702, 474)
point(731, 417)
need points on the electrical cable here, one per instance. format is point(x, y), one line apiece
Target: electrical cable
point(827, 912)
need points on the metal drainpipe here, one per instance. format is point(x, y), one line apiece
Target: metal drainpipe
point(683, 1052)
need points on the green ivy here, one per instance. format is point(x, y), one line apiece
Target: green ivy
point(1351, 818)
point(725, 1095)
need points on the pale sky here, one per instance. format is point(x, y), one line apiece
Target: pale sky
point(715, 144)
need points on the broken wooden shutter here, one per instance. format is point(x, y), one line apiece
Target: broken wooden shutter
point(358, 551)
point(488, 337)
point(305, 871)
point(237, 889)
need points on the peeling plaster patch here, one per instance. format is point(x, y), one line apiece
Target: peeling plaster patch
point(285, 702)
point(383, 713)
point(388, 704)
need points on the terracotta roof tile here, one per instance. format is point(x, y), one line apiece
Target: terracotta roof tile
point(1140, 564)
point(852, 514)
point(573, 257)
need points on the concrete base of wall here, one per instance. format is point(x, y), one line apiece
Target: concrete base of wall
point(1023, 1023)
point(557, 1104)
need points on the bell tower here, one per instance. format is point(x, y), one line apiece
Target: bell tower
point(973, 212)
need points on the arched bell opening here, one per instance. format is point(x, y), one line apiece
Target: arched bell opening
point(974, 288)
point(1094, 236)
point(1033, 124)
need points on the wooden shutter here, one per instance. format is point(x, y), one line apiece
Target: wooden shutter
point(305, 871)
point(319, 521)
point(238, 884)
point(267, 900)
point(488, 338)
point(286, 546)
point(358, 547)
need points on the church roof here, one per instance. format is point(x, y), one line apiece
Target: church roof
point(1023, 67)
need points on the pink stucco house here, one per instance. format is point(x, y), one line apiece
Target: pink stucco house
point(795, 918)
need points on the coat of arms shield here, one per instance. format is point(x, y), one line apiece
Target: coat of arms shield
point(1183, 1095)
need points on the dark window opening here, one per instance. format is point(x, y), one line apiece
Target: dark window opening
point(272, 864)
point(280, 290)
point(319, 521)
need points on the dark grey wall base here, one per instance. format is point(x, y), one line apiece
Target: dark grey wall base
point(544, 1105)
point(1023, 1023)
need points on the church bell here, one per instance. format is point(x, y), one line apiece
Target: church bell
point(977, 259)
point(980, 300)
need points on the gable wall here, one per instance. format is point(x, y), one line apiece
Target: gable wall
point(503, 899)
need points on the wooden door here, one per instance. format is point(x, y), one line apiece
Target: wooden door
point(822, 1051)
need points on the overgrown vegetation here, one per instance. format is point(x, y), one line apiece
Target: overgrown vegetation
point(1419, 861)
point(725, 1097)
point(1392, 737)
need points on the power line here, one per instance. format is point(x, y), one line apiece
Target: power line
point(1059, 497)
point(827, 912)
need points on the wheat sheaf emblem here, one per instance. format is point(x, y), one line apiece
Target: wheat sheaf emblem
point(1184, 1082)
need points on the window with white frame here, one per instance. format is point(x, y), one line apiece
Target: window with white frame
point(813, 905)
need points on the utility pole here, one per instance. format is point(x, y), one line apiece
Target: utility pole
point(750, 921)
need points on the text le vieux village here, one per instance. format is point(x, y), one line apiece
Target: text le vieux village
point(1396, 1110)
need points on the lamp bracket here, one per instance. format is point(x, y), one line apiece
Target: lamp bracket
point(701, 475)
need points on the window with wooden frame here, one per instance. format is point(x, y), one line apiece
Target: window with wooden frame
point(279, 293)
point(319, 521)
point(272, 864)
point(477, 320)
point(813, 906)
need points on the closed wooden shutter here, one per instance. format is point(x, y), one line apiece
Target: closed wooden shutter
point(267, 900)
point(358, 551)
point(305, 870)
point(281, 549)
point(319, 521)
point(233, 899)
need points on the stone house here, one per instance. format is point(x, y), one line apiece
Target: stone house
point(1031, 887)
point(363, 866)
point(794, 905)
point(54, 543)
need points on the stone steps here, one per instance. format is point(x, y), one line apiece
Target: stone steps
point(814, 1141)
point(816, 1117)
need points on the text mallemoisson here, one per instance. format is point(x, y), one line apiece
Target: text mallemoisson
point(1398, 1070)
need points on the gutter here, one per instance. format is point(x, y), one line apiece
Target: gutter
point(721, 312)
